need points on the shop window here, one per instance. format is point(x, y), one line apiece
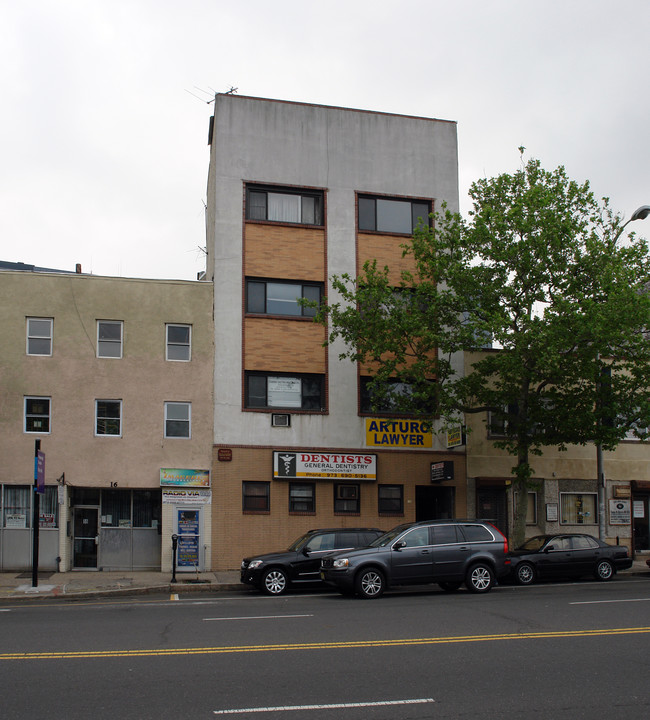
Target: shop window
point(146, 508)
point(390, 499)
point(37, 415)
point(272, 297)
point(347, 499)
point(178, 342)
point(302, 497)
point(49, 508)
point(116, 508)
point(256, 496)
point(109, 338)
point(286, 205)
point(17, 509)
point(299, 392)
point(39, 336)
point(392, 215)
point(108, 418)
point(178, 420)
point(578, 509)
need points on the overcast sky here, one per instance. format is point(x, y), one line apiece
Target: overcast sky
point(105, 109)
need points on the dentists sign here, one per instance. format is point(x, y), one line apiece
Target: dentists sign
point(349, 466)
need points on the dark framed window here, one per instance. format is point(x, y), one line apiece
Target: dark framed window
point(280, 297)
point(392, 215)
point(256, 496)
point(39, 336)
point(298, 392)
point(394, 399)
point(37, 415)
point(302, 497)
point(347, 498)
point(390, 499)
point(286, 205)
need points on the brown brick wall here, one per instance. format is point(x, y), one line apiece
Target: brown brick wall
point(387, 250)
point(284, 345)
point(287, 253)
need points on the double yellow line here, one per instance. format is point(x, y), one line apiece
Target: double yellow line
point(349, 645)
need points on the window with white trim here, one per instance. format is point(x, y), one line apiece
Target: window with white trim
point(178, 342)
point(109, 338)
point(108, 418)
point(37, 415)
point(39, 336)
point(178, 420)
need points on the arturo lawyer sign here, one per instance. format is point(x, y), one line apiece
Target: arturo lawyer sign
point(349, 466)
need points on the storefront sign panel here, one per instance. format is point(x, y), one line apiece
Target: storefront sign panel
point(350, 466)
point(398, 433)
point(620, 512)
point(180, 496)
point(184, 477)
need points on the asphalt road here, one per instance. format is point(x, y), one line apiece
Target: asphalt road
point(561, 651)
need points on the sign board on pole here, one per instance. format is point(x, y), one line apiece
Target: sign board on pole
point(40, 472)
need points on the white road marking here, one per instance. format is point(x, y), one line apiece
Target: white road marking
point(337, 706)
point(602, 602)
point(258, 617)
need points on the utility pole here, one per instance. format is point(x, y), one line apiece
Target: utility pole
point(36, 514)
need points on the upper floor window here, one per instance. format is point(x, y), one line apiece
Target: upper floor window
point(273, 297)
point(37, 415)
point(392, 215)
point(108, 417)
point(300, 392)
point(286, 205)
point(109, 338)
point(39, 336)
point(396, 397)
point(178, 419)
point(179, 342)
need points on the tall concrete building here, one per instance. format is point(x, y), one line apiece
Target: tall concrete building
point(298, 193)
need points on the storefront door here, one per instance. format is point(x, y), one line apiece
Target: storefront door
point(641, 519)
point(86, 537)
point(189, 556)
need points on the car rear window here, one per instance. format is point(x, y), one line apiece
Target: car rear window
point(477, 533)
point(443, 534)
point(350, 539)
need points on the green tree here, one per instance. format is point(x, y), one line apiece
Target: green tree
point(542, 270)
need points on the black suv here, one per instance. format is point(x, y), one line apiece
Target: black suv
point(447, 552)
point(273, 572)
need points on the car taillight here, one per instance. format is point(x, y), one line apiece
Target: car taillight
point(505, 539)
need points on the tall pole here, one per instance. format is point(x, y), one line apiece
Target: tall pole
point(35, 516)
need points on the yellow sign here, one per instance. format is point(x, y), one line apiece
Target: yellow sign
point(399, 433)
point(455, 436)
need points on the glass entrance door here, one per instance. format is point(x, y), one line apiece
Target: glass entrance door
point(86, 537)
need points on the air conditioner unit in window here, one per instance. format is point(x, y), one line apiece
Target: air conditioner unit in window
point(280, 420)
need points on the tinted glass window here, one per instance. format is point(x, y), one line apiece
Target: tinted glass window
point(417, 537)
point(322, 542)
point(580, 542)
point(477, 533)
point(444, 534)
point(366, 214)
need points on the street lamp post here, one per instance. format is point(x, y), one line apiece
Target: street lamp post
point(639, 214)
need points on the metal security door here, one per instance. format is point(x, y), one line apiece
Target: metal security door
point(86, 537)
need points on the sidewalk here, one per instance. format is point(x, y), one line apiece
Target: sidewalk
point(79, 585)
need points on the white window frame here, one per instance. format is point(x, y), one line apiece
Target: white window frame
point(169, 344)
point(188, 405)
point(109, 435)
point(49, 414)
point(30, 335)
point(111, 342)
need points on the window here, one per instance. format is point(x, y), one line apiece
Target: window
point(347, 499)
point(108, 417)
point(284, 205)
point(256, 497)
point(299, 392)
point(109, 339)
point(418, 537)
point(281, 298)
point(39, 336)
point(178, 419)
point(578, 509)
point(392, 215)
point(179, 338)
point(531, 509)
point(476, 533)
point(302, 497)
point(17, 506)
point(130, 508)
point(498, 422)
point(390, 499)
point(116, 508)
point(582, 542)
point(394, 398)
point(445, 534)
point(322, 542)
point(37, 415)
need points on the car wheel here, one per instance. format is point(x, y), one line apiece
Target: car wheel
point(480, 578)
point(275, 581)
point(370, 583)
point(525, 574)
point(449, 586)
point(604, 570)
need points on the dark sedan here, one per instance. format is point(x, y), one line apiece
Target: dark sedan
point(568, 555)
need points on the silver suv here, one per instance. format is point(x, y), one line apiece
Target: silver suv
point(447, 552)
